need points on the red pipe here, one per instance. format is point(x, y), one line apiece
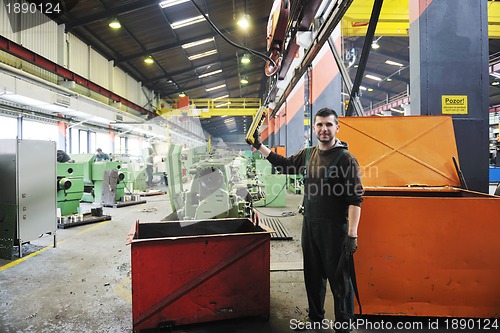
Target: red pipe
point(37, 60)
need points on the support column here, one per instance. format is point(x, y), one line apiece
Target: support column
point(449, 75)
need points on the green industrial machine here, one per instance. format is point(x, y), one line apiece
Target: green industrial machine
point(194, 155)
point(98, 177)
point(274, 190)
point(70, 187)
point(263, 167)
point(273, 185)
point(87, 160)
point(216, 190)
point(136, 176)
point(295, 184)
point(93, 177)
point(136, 172)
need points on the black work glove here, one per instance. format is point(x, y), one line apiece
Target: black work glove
point(350, 244)
point(256, 140)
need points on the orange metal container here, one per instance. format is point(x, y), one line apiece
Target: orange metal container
point(427, 248)
point(198, 271)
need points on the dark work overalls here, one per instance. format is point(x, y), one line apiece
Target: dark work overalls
point(323, 231)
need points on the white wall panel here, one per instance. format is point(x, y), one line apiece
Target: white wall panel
point(99, 69)
point(42, 37)
point(120, 82)
point(78, 56)
point(133, 89)
point(141, 98)
point(5, 24)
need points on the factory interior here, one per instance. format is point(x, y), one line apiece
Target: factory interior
point(136, 196)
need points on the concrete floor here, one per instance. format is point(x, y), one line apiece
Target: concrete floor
point(84, 284)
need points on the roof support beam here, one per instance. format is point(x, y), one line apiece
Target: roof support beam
point(128, 8)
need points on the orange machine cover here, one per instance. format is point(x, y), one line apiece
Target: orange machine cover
point(402, 151)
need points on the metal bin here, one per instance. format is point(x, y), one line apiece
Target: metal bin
point(189, 272)
point(427, 246)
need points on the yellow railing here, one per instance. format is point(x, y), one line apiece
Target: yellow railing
point(206, 108)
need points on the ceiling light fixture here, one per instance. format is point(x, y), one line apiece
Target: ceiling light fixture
point(397, 110)
point(114, 23)
point(182, 94)
point(373, 77)
point(210, 73)
point(201, 55)
point(245, 59)
point(216, 87)
point(149, 60)
point(244, 80)
point(375, 44)
point(244, 22)
point(186, 22)
point(495, 74)
point(393, 63)
point(170, 3)
point(199, 42)
point(220, 97)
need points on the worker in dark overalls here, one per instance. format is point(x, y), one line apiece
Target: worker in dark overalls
point(332, 199)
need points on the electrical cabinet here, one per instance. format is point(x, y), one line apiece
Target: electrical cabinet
point(28, 198)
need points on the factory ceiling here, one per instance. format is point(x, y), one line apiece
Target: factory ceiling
point(148, 31)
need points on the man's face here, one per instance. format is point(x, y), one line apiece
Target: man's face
point(99, 153)
point(326, 128)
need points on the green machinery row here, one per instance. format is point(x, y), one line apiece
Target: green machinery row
point(221, 186)
point(103, 182)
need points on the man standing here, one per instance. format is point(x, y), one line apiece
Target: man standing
point(149, 168)
point(100, 156)
point(332, 200)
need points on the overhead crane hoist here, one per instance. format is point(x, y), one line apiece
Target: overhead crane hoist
point(276, 34)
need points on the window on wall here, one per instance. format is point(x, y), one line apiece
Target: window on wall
point(73, 140)
point(103, 141)
point(34, 130)
point(83, 143)
point(8, 127)
point(92, 142)
point(134, 147)
point(120, 145)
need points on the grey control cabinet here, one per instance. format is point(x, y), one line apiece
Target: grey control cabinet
point(28, 203)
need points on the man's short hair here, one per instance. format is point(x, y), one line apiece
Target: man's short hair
point(99, 150)
point(326, 112)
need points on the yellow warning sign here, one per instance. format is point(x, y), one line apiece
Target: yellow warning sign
point(454, 104)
